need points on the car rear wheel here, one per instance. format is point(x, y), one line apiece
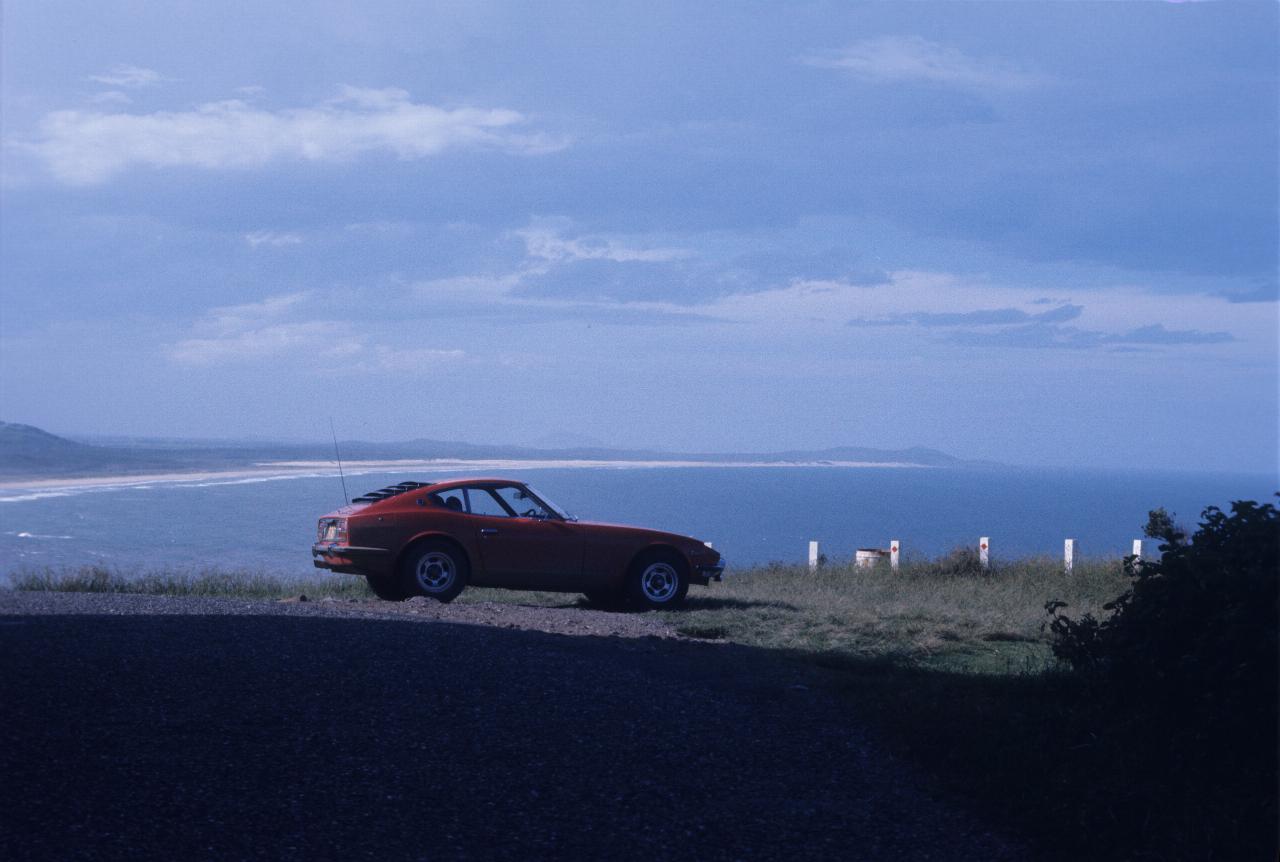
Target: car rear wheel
point(657, 582)
point(387, 589)
point(436, 570)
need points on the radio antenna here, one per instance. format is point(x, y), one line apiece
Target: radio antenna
point(345, 500)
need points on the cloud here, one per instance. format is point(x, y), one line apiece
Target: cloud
point(237, 318)
point(547, 244)
point(284, 328)
point(912, 59)
point(504, 296)
point(561, 269)
point(1061, 314)
point(1262, 291)
point(768, 262)
point(1042, 335)
point(941, 307)
point(124, 75)
point(484, 288)
point(272, 238)
point(110, 97)
point(980, 317)
point(1013, 327)
point(258, 331)
point(87, 147)
point(1157, 334)
point(992, 316)
point(254, 331)
point(409, 360)
point(315, 338)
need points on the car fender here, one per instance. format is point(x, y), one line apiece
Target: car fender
point(658, 546)
point(468, 549)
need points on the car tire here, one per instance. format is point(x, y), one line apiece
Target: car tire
point(657, 582)
point(387, 589)
point(437, 570)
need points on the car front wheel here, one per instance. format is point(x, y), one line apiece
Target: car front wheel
point(657, 582)
point(436, 570)
point(387, 589)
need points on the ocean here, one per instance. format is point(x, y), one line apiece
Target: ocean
point(752, 515)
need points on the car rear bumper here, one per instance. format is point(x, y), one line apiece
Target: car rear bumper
point(350, 559)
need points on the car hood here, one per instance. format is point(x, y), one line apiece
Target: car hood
point(674, 538)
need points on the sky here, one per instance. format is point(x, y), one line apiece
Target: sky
point(1037, 233)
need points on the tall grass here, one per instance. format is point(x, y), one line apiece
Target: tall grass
point(929, 611)
point(244, 584)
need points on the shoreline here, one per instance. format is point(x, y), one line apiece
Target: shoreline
point(285, 470)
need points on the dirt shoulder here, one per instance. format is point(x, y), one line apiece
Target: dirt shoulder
point(508, 615)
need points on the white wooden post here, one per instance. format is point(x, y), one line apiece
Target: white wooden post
point(813, 556)
point(894, 550)
point(1137, 550)
point(1068, 555)
point(984, 549)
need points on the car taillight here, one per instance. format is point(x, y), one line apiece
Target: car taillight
point(333, 530)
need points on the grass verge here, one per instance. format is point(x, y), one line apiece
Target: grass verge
point(929, 614)
point(189, 582)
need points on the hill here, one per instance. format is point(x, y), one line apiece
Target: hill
point(27, 452)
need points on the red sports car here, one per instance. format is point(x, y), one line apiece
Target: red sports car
point(434, 538)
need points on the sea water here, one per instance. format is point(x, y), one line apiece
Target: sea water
point(752, 515)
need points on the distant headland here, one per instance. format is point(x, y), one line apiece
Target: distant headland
point(30, 454)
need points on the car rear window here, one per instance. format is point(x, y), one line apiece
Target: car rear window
point(451, 499)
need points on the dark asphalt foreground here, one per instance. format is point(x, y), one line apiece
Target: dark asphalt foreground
point(303, 734)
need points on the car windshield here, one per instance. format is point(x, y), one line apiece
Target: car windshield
point(550, 505)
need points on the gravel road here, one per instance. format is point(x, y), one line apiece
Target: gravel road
point(172, 728)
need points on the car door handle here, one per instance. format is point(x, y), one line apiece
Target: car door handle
point(488, 531)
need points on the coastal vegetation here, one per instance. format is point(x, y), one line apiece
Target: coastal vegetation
point(946, 612)
point(227, 583)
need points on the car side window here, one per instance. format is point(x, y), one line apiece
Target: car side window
point(524, 504)
point(484, 503)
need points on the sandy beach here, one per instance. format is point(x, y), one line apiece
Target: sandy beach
point(282, 470)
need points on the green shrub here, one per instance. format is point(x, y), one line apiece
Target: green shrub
point(1198, 629)
point(1182, 677)
point(962, 562)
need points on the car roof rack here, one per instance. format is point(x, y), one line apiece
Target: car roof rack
point(390, 491)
